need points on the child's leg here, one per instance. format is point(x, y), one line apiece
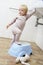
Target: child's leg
point(17, 37)
point(16, 33)
point(13, 40)
point(16, 30)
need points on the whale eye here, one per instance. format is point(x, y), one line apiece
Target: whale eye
point(23, 55)
point(19, 44)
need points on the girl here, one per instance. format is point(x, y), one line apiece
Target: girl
point(19, 22)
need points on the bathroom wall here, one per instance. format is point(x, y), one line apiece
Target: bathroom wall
point(39, 34)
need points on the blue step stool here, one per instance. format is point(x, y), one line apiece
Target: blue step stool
point(19, 49)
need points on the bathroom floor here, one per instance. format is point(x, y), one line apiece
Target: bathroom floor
point(5, 59)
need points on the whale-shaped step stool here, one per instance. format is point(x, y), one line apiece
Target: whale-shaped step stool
point(19, 49)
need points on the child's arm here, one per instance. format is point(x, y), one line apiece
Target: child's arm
point(11, 23)
point(32, 12)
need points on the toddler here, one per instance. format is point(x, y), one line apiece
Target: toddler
point(19, 22)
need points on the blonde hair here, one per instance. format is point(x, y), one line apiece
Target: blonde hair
point(24, 7)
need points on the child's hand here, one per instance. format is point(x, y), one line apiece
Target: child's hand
point(7, 26)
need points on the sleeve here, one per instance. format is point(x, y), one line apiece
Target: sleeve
point(30, 13)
